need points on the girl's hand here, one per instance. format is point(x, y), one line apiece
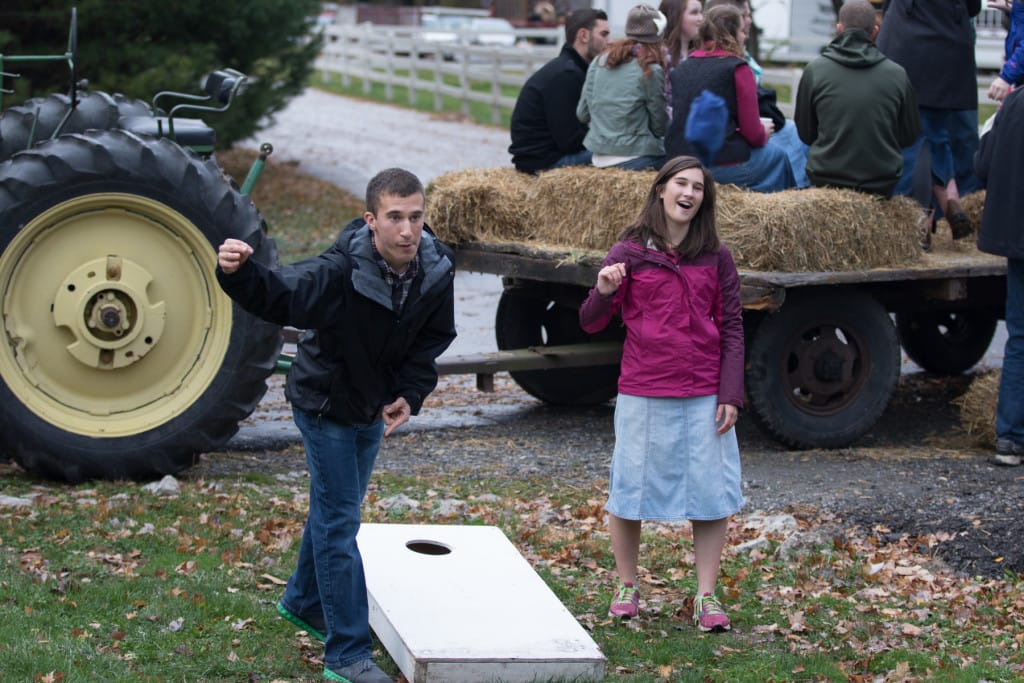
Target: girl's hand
point(610, 278)
point(725, 417)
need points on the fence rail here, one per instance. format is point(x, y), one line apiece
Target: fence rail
point(400, 56)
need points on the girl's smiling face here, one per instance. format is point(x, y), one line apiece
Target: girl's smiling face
point(693, 15)
point(682, 196)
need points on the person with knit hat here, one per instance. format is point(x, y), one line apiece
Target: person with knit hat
point(623, 101)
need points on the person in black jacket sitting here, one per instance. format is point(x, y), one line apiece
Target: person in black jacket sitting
point(378, 309)
point(544, 128)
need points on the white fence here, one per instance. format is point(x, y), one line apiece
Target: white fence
point(399, 56)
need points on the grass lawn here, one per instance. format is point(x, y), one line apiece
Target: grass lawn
point(109, 582)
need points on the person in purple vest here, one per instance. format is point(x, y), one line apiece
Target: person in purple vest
point(745, 158)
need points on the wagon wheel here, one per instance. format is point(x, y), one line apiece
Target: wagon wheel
point(533, 317)
point(822, 369)
point(123, 358)
point(946, 342)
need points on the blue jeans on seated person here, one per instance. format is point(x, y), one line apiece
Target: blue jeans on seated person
point(647, 163)
point(767, 170)
point(575, 159)
point(796, 151)
point(329, 577)
point(1010, 406)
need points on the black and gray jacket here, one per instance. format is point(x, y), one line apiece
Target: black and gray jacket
point(357, 354)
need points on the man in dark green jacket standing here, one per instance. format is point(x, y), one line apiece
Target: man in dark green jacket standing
point(856, 109)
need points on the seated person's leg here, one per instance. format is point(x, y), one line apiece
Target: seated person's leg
point(646, 163)
point(767, 170)
point(795, 149)
point(575, 159)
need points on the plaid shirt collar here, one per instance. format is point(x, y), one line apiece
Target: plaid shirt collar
point(400, 283)
point(389, 273)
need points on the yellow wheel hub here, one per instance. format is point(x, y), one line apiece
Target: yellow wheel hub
point(113, 320)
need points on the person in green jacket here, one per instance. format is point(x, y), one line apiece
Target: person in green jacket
point(856, 109)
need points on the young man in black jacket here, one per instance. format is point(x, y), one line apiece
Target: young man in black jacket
point(378, 309)
point(544, 128)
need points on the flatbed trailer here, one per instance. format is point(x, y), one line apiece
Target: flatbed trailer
point(822, 348)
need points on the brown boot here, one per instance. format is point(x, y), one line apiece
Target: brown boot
point(959, 224)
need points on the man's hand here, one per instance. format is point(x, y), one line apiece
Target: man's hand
point(725, 417)
point(396, 414)
point(610, 278)
point(998, 90)
point(232, 254)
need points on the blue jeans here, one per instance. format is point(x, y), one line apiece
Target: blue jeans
point(329, 576)
point(796, 152)
point(575, 159)
point(647, 163)
point(952, 137)
point(1010, 408)
point(767, 170)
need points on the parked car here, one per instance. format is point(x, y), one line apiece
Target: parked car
point(491, 31)
point(443, 28)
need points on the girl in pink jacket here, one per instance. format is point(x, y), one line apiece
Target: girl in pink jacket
point(676, 457)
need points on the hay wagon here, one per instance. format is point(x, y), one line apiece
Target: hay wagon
point(823, 337)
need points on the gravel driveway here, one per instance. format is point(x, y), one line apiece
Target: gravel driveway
point(915, 473)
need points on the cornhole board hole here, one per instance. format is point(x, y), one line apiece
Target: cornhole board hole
point(459, 604)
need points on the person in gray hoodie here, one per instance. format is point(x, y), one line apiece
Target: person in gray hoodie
point(856, 109)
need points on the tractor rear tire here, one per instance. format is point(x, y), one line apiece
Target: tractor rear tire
point(123, 357)
point(39, 117)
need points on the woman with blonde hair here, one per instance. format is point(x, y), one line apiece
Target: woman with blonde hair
point(745, 157)
point(623, 101)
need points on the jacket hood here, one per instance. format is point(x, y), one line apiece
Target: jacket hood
point(853, 48)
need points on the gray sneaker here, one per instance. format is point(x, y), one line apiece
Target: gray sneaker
point(1008, 453)
point(364, 671)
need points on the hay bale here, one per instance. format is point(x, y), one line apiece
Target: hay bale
point(584, 207)
point(978, 408)
point(480, 205)
point(817, 229)
point(974, 205)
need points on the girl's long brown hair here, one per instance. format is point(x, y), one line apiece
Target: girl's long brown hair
point(650, 224)
point(674, 11)
point(625, 50)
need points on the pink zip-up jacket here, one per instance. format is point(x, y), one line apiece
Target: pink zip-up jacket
point(684, 323)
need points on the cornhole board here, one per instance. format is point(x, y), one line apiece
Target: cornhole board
point(459, 604)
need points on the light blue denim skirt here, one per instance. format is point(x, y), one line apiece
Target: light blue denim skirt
point(669, 464)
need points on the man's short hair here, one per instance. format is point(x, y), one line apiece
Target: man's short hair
point(857, 14)
point(394, 181)
point(582, 18)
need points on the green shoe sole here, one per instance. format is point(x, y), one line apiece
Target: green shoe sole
point(300, 623)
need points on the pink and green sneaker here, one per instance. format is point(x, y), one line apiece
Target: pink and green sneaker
point(708, 614)
point(626, 603)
